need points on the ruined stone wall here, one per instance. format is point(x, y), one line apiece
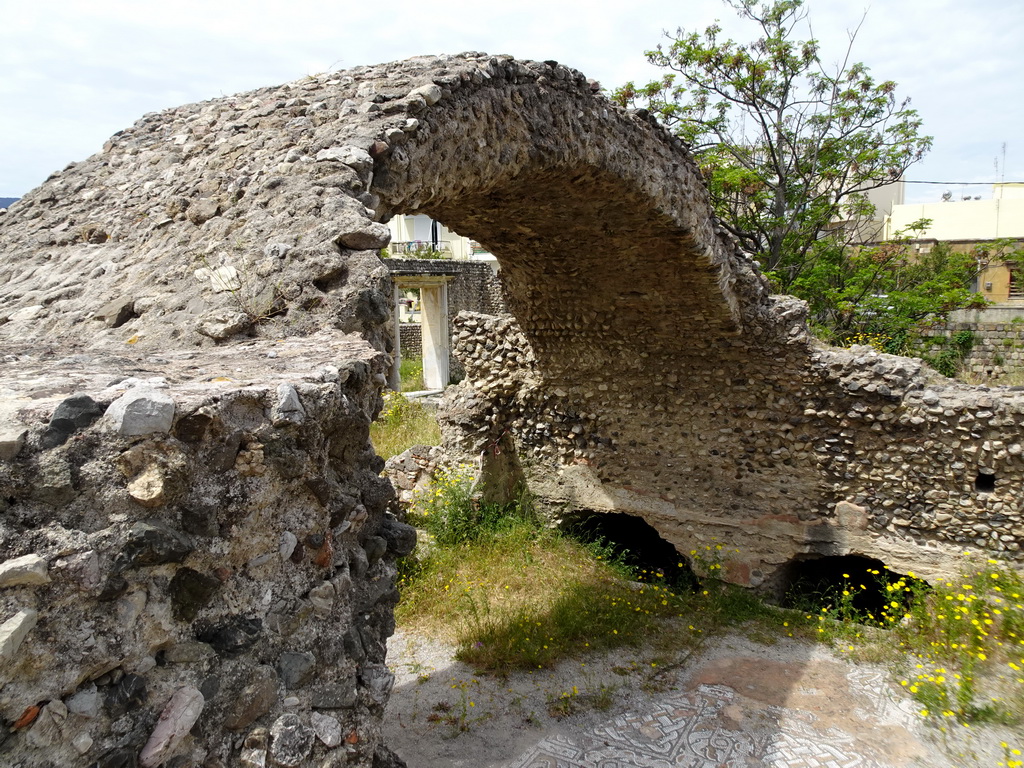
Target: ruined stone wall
point(217, 589)
point(852, 452)
point(196, 567)
point(412, 339)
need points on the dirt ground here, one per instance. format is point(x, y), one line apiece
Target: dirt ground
point(735, 703)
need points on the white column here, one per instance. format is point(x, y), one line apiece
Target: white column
point(394, 378)
point(434, 316)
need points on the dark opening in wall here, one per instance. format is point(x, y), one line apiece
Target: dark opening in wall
point(630, 541)
point(985, 482)
point(870, 588)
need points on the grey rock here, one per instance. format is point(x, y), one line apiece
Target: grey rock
point(288, 408)
point(383, 757)
point(125, 695)
point(202, 210)
point(400, 538)
point(121, 757)
point(378, 682)
point(188, 652)
point(141, 411)
point(116, 313)
point(26, 313)
point(277, 250)
point(361, 234)
point(296, 669)
point(354, 157)
point(190, 592)
point(333, 695)
point(84, 702)
point(431, 94)
point(74, 413)
point(232, 636)
point(223, 325)
point(254, 700)
point(287, 544)
point(375, 547)
point(322, 597)
point(290, 741)
point(150, 542)
point(49, 725)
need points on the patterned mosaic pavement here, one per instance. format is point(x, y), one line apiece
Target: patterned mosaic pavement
point(738, 705)
point(689, 731)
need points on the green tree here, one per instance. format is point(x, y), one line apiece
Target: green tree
point(788, 144)
point(881, 294)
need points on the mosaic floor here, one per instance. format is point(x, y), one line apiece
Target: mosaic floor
point(688, 732)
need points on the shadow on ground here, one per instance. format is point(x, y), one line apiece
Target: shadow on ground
point(736, 703)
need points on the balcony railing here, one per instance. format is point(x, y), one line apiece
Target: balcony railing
point(443, 249)
point(422, 249)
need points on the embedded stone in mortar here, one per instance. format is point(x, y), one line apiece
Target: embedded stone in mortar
point(141, 411)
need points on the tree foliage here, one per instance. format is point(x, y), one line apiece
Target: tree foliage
point(789, 144)
point(881, 294)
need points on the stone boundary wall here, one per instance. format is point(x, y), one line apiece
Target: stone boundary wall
point(196, 568)
point(998, 347)
point(412, 339)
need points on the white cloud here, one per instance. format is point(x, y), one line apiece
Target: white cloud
point(72, 73)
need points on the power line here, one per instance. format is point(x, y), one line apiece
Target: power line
point(961, 183)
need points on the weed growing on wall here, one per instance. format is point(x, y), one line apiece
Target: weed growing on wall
point(966, 641)
point(451, 511)
point(951, 358)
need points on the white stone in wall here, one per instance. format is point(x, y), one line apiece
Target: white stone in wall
point(12, 440)
point(175, 722)
point(28, 569)
point(141, 411)
point(14, 630)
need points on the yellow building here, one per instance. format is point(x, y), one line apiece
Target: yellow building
point(973, 225)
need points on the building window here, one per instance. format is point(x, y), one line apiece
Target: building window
point(1016, 284)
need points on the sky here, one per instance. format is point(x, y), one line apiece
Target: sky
point(73, 73)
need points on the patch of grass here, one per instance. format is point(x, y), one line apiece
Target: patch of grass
point(410, 374)
point(403, 423)
point(513, 594)
point(518, 596)
point(965, 639)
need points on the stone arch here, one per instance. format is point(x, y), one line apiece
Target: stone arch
point(645, 370)
point(573, 195)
